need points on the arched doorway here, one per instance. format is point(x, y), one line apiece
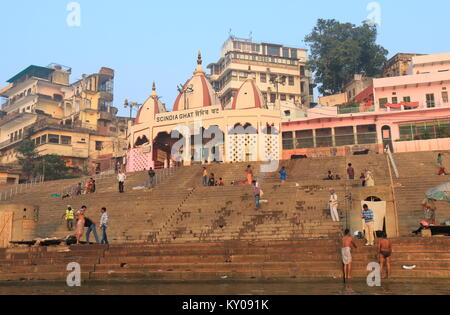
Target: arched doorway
point(162, 150)
point(387, 137)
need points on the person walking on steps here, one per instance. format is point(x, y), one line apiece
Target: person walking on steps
point(151, 175)
point(257, 194)
point(104, 226)
point(351, 172)
point(121, 178)
point(384, 255)
point(333, 204)
point(283, 175)
point(205, 177)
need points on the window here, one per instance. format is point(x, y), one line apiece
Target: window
point(407, 99)
point(395, 100)
point(344, 136)
point(324, 139)
point(44, 139)
point(302, 71)
point(283, 97)
point(53, 139)
point(445, 97)
point(286, 52)
point(430, 101)
point(291, 81)
point(304, 139)
point(273, 50)
point(66, 140)
point(383, 102)
point(367, 134)
point(273, 98)
point(294, 54)
point(98, 145)
point(263, 78)
point(288, 140)
point(38, 141)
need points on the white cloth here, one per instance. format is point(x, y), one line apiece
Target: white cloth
point(334, 213)
point(104, 219)
point(122, 177)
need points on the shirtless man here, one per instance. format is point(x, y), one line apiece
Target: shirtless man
point(384, 254)
point(347, 243)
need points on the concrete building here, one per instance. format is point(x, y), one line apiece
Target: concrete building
point(280, 71)
point(399, 65)
point(76, 121)
point(408, 113)
point(200, 129)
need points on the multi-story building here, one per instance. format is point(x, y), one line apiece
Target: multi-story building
point(76, 121)
point(407, 113)
point(399, 65)
point(281, 73)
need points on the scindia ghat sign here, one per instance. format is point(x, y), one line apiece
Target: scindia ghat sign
point(176, 117)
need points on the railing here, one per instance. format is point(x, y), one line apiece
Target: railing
point(10, 192)
point(354, 110)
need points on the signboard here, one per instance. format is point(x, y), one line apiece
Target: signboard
point(199, 113)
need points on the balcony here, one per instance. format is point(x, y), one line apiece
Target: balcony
point(345, 110)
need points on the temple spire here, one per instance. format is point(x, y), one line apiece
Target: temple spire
point(199, 64)
point(154, 90)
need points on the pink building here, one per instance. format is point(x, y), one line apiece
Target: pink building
point(411, 113)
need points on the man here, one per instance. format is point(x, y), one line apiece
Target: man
point(283, 175)
point(384, 254)
point(351, 172)
point(205, 177)
point(333, 203)
point(369, 224)
point(347, 243)
point(92, 228)
point(257, 193)
point(69, 216)
point(79, 189)
point(151, 175)
point(121, 178)
point(104, 226)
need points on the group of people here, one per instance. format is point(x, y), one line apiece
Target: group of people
point(210, 180)
point(384, 254)
point(80, 221)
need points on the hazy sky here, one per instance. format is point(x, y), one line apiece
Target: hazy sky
point(144, 40)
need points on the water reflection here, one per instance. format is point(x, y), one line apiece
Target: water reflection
point(231, 288)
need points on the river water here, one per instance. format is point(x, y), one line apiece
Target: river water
point(231, 288)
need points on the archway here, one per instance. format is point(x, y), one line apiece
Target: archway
point(387, 137)
point(162, 150)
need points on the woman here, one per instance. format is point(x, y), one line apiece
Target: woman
point(370, 181)
point(80, 226)
point(249, 175)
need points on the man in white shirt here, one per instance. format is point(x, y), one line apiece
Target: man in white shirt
point(334, 206)
point(104, 226)
point(121, 178)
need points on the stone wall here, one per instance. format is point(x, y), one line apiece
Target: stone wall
point(22, 226)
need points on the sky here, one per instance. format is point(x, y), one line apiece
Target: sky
point(145, 40)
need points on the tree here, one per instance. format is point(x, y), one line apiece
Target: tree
point(52, 167)
point(340, 50)
point(27, 156)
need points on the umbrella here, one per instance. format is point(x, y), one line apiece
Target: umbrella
point(441, 192)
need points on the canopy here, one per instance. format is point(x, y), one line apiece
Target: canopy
point(441, 192)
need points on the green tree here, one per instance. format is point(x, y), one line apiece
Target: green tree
point(27, 155)
point(52, 167)
point(339, 50)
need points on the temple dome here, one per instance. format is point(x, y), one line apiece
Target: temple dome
point(248, 96)
point(197, 92)
point(150, 108)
